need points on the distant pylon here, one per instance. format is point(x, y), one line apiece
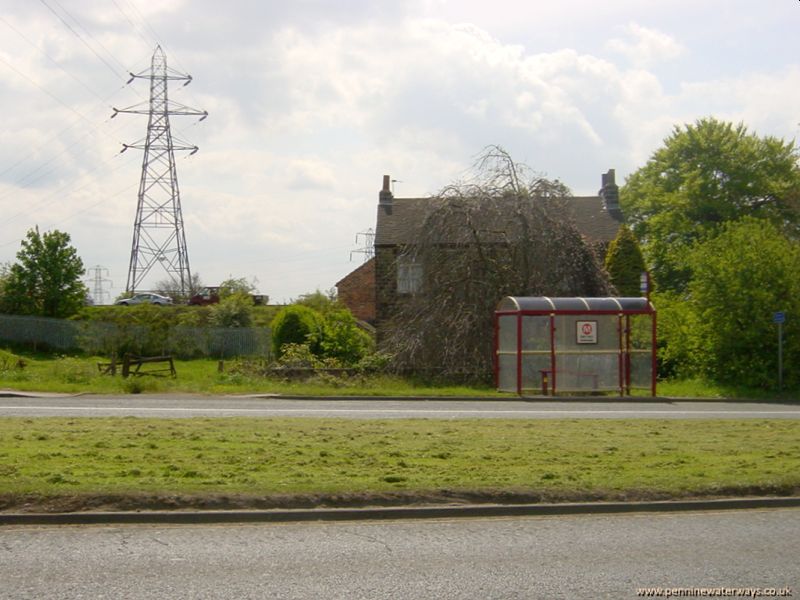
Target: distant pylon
point(368, 249)
point(97, 280)
point(158, 235)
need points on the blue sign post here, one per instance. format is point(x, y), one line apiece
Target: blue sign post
point(780, 318)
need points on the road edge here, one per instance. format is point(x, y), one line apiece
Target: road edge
point(390, 513)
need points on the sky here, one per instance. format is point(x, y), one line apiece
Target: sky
point(311, 102)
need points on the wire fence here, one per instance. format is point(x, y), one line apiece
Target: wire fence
point(96, 337)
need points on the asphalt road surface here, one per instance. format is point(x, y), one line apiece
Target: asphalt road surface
point(544, 557)
point(232, 406)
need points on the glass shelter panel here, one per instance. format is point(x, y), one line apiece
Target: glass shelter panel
point(587, 352)
point(536, 355)
point(533, 367)
point(507, 353)
point(507, 333)
point(641, 348)
point(536, 334)
point(507, 372)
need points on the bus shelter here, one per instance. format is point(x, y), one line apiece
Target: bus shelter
point(550, 345)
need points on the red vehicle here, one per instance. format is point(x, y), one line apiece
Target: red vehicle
point(208, 295)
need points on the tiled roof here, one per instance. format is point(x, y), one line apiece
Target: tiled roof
point(399, 221)
point(367, 265)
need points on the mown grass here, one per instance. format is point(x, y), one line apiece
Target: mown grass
point(565, 458)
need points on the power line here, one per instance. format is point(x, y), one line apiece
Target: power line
point(55, 97)
point(136, 27)
point(157, 38)
point(50, 58)
point(42, 89)
point(57, 195)
point(80, 37)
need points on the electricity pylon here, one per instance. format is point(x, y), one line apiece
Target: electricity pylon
point(368, 249)
point(158, 235)
point(99, 294)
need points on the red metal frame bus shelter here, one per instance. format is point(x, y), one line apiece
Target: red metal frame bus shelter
point(550, 345)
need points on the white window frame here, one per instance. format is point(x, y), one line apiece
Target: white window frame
point(409, 276)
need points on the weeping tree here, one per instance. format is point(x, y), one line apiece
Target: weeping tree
point(505, 231)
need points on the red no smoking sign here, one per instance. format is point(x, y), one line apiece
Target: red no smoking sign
point(586, 332)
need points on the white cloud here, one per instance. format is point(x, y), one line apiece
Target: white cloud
point(646, 46)
point(310, 104)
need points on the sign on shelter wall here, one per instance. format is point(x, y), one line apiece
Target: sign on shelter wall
point(586, 332)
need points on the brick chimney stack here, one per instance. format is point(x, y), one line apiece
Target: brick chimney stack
point(610, 193)
point(385, 195)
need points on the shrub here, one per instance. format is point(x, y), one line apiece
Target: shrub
point(10, 361)
point(234, 310)
point(624, 263)
point(342, 339)
point(298, 356)
point(297, 324)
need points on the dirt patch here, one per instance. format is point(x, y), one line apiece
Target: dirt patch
point(161, 502)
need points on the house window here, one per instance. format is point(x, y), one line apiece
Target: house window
point(409, 276)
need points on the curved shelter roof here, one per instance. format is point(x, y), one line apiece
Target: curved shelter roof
point(547, 305)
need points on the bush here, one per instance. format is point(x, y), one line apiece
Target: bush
point(375, 362)
point(297, 324)
point(343, 340)
point(298, 356)
point(625, 264)
point(10, 361)
point(234, 310)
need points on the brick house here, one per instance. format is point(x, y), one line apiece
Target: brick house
point(357, 291)
point(392, 276)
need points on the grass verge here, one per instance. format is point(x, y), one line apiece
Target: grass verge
point(74, 464)
point(72, 374)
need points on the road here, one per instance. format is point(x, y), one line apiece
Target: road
point(230, 406)
point(543, 557)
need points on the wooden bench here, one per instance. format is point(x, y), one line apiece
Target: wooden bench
point(132, 365)
point(137, 362)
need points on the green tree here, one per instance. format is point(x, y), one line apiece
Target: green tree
point(742, 276)
point(46, 279)
point(704, 175)
point(625, 263)
point(235, 285)
point(5, 269)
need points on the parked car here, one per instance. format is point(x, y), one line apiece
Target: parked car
point(148, 298)
point(208, 295)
